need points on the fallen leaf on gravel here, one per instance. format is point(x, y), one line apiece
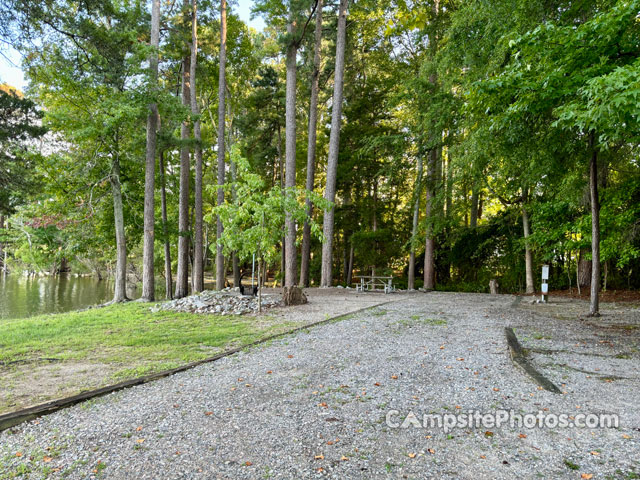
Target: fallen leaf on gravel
point(593, 452)
point(178, 452)
point(483, 456)
point(377, 384)
point(458, 407)
point(431, 451)
point(289, 356)
point(427, 436)
point(248, 464)
point(175, 405)
point(460, 359)
point(269, 371)
point(233, 388)
point(586, 476)
point(395, 377)
point(523, 435)
point(441, 347)
point(496, 389)
point(247, 385)
point(315, 392)
point(343, 458)
point(140, 440)
point(47, 459)
point(320, 470)
point(323, 404)
point(330, 442)
point(488, 433)
point(18, 454)
point(319, 457)
point(139, 428)
point(241, 379)
point(626, 436)
point(208, 413)
point(412, 455)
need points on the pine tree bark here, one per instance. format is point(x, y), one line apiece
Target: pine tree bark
point(528, 254)
point(311, 147)
point(326, 279)
point(594, 303)
point(182, 276)
point(414, 227)
point(429, 250)
point(198, 248)
point(222, 87)
point(165, 230)
point(148, 280)
point(120, 290)
point(291, 252)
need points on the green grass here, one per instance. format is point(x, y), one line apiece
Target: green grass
point(122, 332)
point(129, 338)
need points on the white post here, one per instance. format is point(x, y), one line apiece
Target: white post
point(253, 267)
point(545, 284)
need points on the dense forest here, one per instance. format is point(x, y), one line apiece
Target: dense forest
point(444, 142)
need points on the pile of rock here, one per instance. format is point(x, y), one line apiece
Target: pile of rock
point(225, 302)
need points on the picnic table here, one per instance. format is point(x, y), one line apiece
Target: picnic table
point(374, 282)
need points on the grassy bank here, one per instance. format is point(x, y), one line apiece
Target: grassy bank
point(51, 356)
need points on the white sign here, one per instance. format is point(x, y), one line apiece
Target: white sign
point(545, 288)
point(545, 272)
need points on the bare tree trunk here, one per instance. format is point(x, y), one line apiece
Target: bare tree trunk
point(148, 270)
point(594, 304)
point(234, 259)
point(198, 254)
point(473, 218)
point(291, 252)
point(528, 254)
point(350, 268)
point(120, 291)
point(222, 86)
point(182, 276)
point(165, 230)
point(334, 146)
point(414, 227)
point(429, 251)
point(311, 147)
point(584, 267)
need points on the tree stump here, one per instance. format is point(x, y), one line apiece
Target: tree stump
point(493, 286)
point(293, 296)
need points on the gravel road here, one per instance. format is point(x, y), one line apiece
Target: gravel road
point(316, 404)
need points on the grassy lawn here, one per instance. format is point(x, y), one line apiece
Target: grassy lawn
point(51, 356)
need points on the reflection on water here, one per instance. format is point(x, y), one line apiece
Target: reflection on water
point(26, 296)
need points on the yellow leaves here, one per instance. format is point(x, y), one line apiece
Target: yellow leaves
point(319, 457)
point(460, 359)
point(208, 414)
point(394, 377)
point(140, 440)
point(523, 435)
point(431, 451)
point(377, 384)
point(587, 476)
point(593, 452)
point(248, 385)
point(625, 436)
point(248, 463)
point(269, 372)
point(47, 459)
point(18, 454)
point(412, 455)
point(138, 428)
point(496, 389)
point(289, 356)
point(343, 458)
point(488, 433)
point(483, 457)
point(323, 405)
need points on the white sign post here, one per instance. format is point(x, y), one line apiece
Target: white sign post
point(545, 283)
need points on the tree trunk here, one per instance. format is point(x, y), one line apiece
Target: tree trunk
point(429, 250)
point(198, 253)
point(584, 269)
point(311, 147)
point(350, 268)
point(222, 86)
point(165, 230)
point(291, 252)
point(594, 304)
point(120, 291)
point(414, 227)
point(182, 277)
point(528, 254)
point(148, 270)
point(334, 146)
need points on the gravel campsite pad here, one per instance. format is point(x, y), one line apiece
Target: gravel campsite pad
point(315, 405)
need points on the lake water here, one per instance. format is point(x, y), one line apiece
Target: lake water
point(22, 296)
